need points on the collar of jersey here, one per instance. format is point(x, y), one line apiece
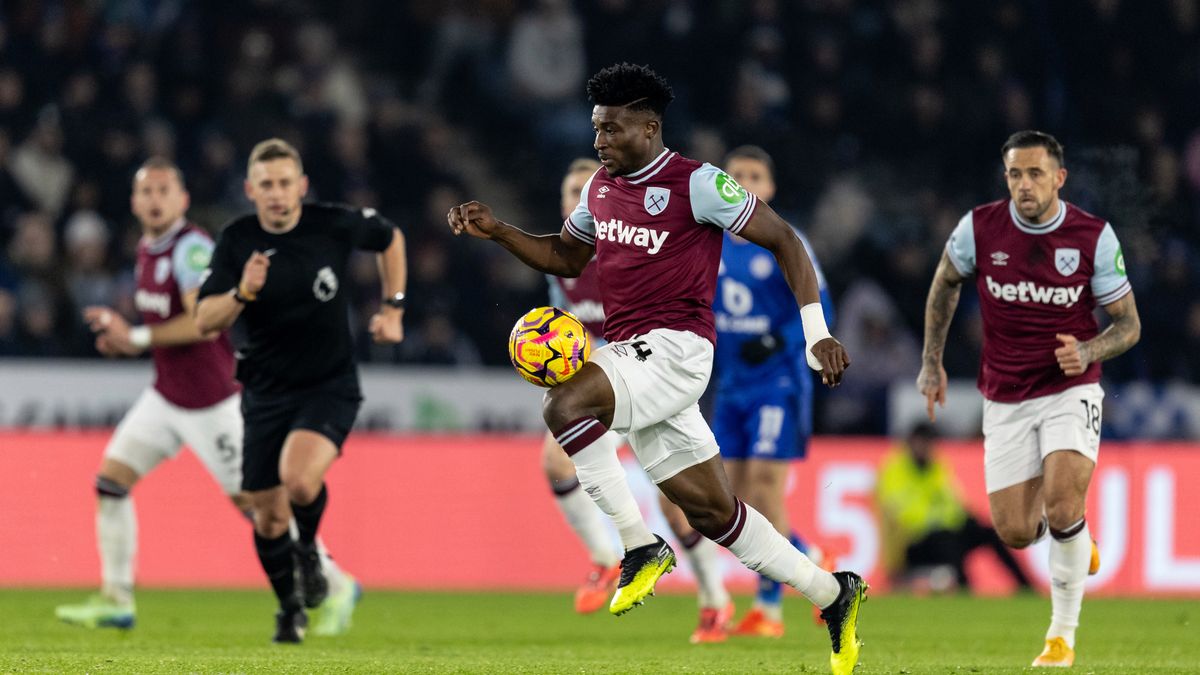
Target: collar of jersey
point(163, 242)
point(1037, 228)
point(650, 170)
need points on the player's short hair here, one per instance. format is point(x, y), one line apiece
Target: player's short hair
point(154, 163)
point(274, 148)
point(1030, 138)
point(581, 164)
point(751, 152)
point(635, 86)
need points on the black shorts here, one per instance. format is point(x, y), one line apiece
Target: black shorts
point(269, 418)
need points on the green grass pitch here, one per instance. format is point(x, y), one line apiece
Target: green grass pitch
point(229, 631)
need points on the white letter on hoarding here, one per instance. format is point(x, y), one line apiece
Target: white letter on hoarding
point(1164, 571)
point(838, 514)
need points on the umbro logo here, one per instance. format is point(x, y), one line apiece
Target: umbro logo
point(601, 191)
point(1000, 258)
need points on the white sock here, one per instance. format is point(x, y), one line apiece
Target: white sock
point(584, 520)
point(116, 537)
point(760, 547)
point(335, 575)
point(594, 454)
point(703, 556)
point(1069, 559)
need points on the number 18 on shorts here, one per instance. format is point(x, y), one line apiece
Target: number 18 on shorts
point(1018, 436)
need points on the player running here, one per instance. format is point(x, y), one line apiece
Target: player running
point(280, 271)
point(654, 221)
point(194, 400)
point(581, 296)
point(762, 414)
point(1041, 267)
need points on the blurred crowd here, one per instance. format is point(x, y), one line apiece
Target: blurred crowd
point(885, 119)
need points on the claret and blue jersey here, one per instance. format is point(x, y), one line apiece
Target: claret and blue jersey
point(761, 410)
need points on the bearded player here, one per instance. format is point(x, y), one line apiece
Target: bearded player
point(1041, 267)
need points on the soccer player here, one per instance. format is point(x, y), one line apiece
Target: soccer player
point(581, 296)
point(654, 221)
point(762, 414)
point(1041, 266)
point(280, 270)
point(194, 400)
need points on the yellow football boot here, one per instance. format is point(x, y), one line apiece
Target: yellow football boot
point(841, 618)
point(1056, 655)
point(640, 571)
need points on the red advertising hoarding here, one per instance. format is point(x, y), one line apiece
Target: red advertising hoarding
point(475, 512)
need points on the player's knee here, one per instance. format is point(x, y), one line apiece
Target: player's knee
point(709, 519)
point(301, 490)
point(558, 408)
point(241, 501)
point(271, 523)
point(1015, 534)
point(1063, 513)
point(570, 401)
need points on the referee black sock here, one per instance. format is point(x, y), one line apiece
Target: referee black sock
point(308, 517)
point(275, 555)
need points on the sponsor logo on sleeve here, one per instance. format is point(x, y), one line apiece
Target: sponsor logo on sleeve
point(198, 257)
point(729, 189)
point(1119, 262)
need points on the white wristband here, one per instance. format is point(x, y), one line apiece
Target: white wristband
point(815, 330)
point(139, 336)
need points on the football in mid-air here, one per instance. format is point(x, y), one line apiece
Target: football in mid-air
point(548, 346)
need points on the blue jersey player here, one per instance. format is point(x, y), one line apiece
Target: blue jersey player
point(762, 415)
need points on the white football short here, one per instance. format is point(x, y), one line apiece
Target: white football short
point(1018, 436)
point(155, 429)
point(657, 379)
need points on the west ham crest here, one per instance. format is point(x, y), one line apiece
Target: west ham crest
point(1066, 260)
point(162, 270)
point(656, 200)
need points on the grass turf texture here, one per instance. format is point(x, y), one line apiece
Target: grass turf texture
point(229, 631)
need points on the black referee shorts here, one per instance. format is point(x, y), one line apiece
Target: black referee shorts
point(269, 418)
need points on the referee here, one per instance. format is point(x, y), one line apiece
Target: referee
point(281, 271)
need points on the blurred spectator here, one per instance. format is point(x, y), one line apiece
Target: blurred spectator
point(8, 324)
point(883, 350)
point(86, 241)
point(39, 167)
point(927, 531)
point(885, 119)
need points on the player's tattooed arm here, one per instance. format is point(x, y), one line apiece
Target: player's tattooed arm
point(939, 311)
point(1074, 357)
